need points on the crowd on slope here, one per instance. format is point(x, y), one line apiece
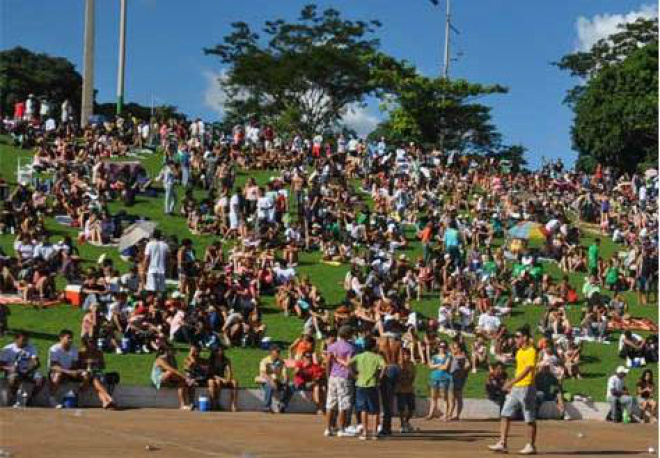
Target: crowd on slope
point(349, 203)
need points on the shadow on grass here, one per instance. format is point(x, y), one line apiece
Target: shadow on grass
point(35, 334)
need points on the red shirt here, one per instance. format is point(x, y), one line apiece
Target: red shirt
point(309, 373)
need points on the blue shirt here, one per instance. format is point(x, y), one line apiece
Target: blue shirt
point(451, 238)
point(439, 374)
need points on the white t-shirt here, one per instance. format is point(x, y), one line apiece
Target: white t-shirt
point(63, 358)
point(50, 125)
point(614, 383)
point(264, 206)
point(284, 275)
point(157, 250)
point(12, 354)
point(235, 204)
point(489, 323)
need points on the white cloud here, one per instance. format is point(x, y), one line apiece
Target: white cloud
point(215, 96)
point(603, 25)
point(359, 119)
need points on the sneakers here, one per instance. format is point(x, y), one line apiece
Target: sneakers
point(328, 433)
point(345, 433)
point(499, 447)
point(528, 450)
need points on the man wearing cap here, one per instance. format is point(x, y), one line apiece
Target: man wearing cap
point(522, 394)
point(618, 396)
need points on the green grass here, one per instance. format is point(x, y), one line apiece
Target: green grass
point(599, 360)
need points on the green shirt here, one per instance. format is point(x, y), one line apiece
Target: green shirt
point(593, 255)
point(368, 366)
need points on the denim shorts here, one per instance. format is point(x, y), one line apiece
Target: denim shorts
point(367, 400)
point(440, 384)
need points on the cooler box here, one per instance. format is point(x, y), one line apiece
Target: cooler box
point(73, 295)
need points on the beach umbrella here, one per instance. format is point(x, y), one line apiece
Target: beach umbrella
point(135, 233)
point(527, 230)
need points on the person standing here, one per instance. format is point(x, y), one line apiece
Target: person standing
point(459, 370)
point(594, 257)
point(522, 394)
point(168, 176)
point(155, 261)
point(370, 369)
point(340, 388)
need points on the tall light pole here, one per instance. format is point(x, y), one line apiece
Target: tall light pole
point(122, 56)
point(445, 72)
point(87, 102)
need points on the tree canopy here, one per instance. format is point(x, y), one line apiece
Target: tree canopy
point(306, 73)
point(438, 111)
point(23, 72)
point(616, 102)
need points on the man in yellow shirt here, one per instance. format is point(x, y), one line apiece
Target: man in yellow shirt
point(522, 394)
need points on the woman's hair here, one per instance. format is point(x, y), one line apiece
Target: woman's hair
point(646, 371)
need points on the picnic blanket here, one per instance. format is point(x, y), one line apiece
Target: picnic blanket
point(632, 324)
point(12, 299)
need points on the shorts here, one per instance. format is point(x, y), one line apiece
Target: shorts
point(340, 391)
point(442, 384)
point(457, 384)
point(367, 400)
point(155, 282)
point(405, 402)
point(523, 397)
point(16, 377)
point(642, 284)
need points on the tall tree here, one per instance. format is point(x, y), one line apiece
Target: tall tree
point(616, 101)
point(306, 72)
point(23, 72)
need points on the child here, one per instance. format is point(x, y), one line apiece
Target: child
point(440, 379)
point(405, 392)
point(369, 368)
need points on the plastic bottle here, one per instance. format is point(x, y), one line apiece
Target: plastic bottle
point(626, 416)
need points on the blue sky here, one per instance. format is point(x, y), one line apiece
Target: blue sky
point(510, 42)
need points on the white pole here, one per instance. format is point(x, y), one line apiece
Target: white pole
point(447, 35)
point(122, 56)
point(87, 102)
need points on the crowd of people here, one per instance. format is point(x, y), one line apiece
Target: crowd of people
point(354, 203)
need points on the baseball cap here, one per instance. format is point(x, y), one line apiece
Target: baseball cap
point(621, 370)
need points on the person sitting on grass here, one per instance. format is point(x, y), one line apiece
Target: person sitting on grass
point(20, 363)
point(63, 362)
point(164, 372)
point(274, 378)
point(221, 375)
point(479, 354)
point(369, 368)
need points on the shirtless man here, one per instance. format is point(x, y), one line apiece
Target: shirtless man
point(389, 346)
